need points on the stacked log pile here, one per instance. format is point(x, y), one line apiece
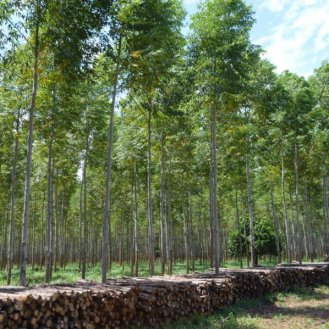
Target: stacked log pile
point(145, 302)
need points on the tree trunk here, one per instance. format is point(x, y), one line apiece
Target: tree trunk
point(251, 217)
point(135, 221)
point(213, 189)
point(162, 209)
point(49, 223)
point(10, 252)
point(149, 193)
point(169, 224)
point(27, 190)
point(276, 228)
point(85, 229)
point(299, 242)
point(285, 212)
point(106, 225)
point(238, 226)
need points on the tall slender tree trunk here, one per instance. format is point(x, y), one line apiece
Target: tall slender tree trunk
point(245, 229)
point(276, 228)
point(10, 252)
point(49, 223)
point(85, 228)
point(27, 190)
point(299, 242)
point(308, 223)
point(106, 225)
point(285, 212)
point(169, 224)
point(136, 257)
point(213, 189)
point(251, 217)
point(162, 209)
point(149, 192)
point(238, 226)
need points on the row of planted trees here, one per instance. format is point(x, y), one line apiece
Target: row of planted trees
point(136, 143)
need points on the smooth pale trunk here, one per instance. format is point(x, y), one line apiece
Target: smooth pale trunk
point(253, 255)
point(85, 228)
point(106, 225)
point(10, 251)
point(213, 189)
point(299, 242)
point(162, 210)
point(169, 225)
point(27, 189)
point(149, 192)
point(49, 220)
point(276, 227)
point(238, 226)
point(308, 223)
point(285, 212)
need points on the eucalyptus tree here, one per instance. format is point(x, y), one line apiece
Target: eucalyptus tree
point(153, 50)
point(220, 35)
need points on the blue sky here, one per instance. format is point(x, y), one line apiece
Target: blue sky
point(294, 33)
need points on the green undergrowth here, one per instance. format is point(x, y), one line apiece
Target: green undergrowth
point(72, 273)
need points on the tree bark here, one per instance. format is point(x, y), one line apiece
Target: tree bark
point(276, 228)
point(106, 225)
point(10, 252)
point(85, 229)
point(149, 192)
point(213, 189)
point(27, 190)
point(296, 165)
point(49, 223)
point(253, 255)
point(285, 212)
point(162, 208)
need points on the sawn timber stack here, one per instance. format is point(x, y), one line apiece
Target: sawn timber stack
point(145, 301)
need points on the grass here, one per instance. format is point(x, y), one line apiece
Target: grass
point(72, 273)
point(300, 308)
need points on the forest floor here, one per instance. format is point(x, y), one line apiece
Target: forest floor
point(72, 273)
point(300, 308)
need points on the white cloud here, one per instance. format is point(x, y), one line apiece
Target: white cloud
point(301, 32)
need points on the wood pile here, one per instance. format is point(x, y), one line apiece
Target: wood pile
point(145, 301)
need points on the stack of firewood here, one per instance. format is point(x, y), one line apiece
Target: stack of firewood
point(147, 302)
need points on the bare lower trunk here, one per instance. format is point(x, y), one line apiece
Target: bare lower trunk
point(162, 210)
point(85, 229)
point(49, 223)
point(213, 189)
point(149, 193)
point(276, 228)
point(135, 221)
point(299, 242)
point(169, 225)
point(238, 226)
point(285, 212)
point(10, 252)
point(106, 225)
point(27, 190)
point(251, 217)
